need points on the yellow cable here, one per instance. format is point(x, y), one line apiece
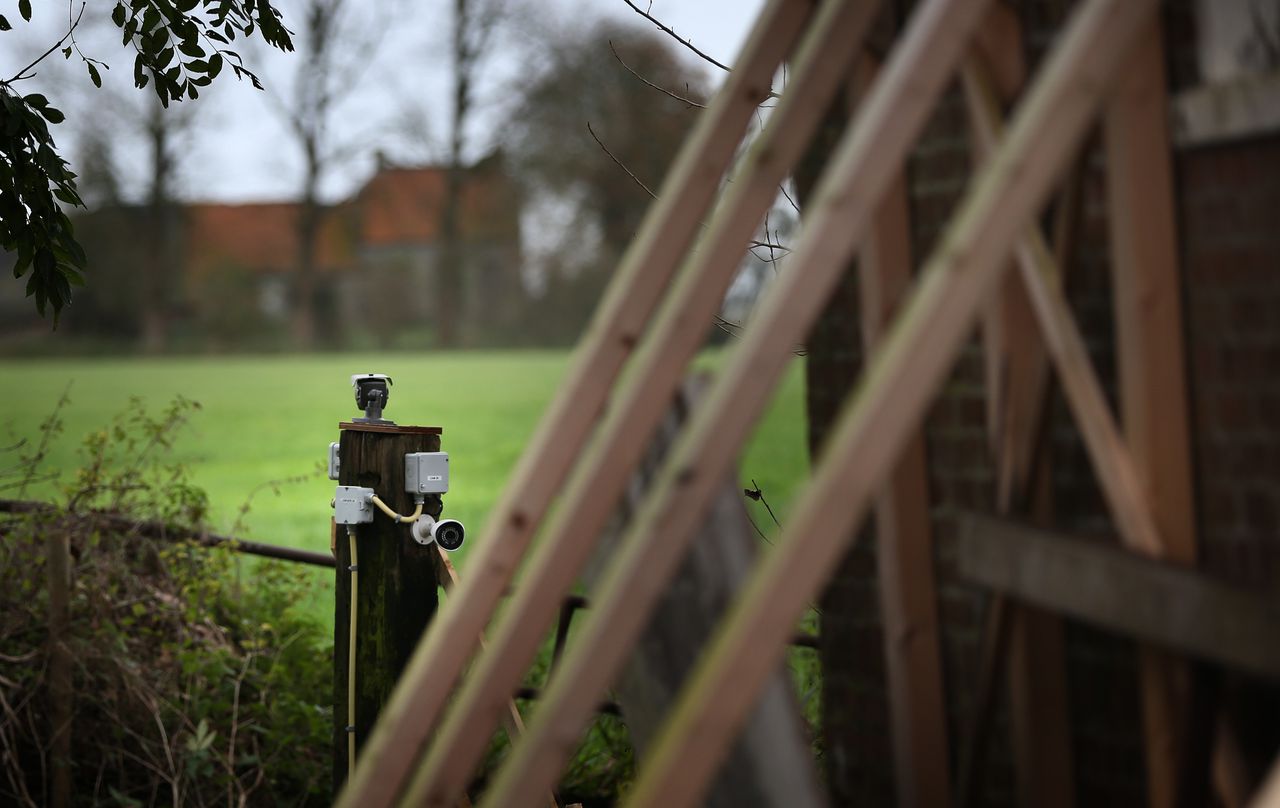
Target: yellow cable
point(351, 657)
point(413, 517)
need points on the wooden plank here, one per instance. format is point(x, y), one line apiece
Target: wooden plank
point(893, 397)
point(635, 411)
point(772, 765)
point(904, 539)
point(1125, 593)
point(1269, 794)
point(1112, 461)
point(868, 159)
point(1040, 726)
point(395, 429)
point(1150, 358)
point(642, 278)
point(515, 722)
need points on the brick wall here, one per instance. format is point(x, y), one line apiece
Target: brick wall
point(1229, 228)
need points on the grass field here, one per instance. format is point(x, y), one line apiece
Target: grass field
point(271, 418)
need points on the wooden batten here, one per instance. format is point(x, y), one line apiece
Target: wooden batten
point(605, 468)
point(897, 387)
point(646, 269)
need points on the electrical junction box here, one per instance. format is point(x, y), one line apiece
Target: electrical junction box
point(352, 506)
point(335, 465)
point(426, 472)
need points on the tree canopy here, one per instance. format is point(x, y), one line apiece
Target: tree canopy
point(179, 47)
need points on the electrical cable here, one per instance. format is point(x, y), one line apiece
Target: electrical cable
point(351, 640)
point(397, 518)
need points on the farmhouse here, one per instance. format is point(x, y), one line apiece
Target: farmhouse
point(375, 252)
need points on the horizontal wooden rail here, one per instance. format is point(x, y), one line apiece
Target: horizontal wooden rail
point(1125, 593)
point(160, 530)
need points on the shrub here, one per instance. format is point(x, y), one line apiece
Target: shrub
point(189, 686)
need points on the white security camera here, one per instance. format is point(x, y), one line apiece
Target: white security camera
point(448, 533)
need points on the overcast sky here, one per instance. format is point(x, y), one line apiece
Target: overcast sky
point(240, 149)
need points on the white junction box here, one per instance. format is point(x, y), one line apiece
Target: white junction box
point(352, 505)
point(426, 472)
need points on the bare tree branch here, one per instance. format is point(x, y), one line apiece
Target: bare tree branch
point(667, 30)
point(648, 83)
point(618, 162)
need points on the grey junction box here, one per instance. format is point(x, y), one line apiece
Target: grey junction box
point(426, 472)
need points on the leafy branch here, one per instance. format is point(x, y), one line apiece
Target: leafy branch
point(179, 47)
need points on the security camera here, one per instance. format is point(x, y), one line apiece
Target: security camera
point(448, 533)
point(372, 392)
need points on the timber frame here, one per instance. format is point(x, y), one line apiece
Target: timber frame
point(993, 267)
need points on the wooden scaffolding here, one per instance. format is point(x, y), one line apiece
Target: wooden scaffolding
point(994, 267)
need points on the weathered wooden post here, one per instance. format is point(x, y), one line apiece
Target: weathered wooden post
point(396, 590)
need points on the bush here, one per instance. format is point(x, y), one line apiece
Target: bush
point(188, 687)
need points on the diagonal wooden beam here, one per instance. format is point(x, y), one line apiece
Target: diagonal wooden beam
point(515, 722)
point(665, 235)
point(1268, 795)
point(892, 400)
point(868, 159)
point(1112, 461)
point(823, 60)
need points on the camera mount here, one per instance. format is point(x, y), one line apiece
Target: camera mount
point(372, 392)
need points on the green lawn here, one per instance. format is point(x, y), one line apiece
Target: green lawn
point(271, 418)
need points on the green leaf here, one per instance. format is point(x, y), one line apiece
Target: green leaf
point(53, 115)
point(66, 52)
point(36, 101)
point(24, 8)
point(93, 75)
point(4, 24)
point(118, 15)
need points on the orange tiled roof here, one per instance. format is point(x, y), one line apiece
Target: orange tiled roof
point(260, 237)
point(396, 206)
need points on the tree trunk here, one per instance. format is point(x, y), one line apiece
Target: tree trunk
point(160, 267)
point(304, 285)
point(450, 260)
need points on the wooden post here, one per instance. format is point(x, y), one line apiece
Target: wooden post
point(1017, 383)
point(1150, 357)
point(397, 584)
point(904, 536)
point(58, 566)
